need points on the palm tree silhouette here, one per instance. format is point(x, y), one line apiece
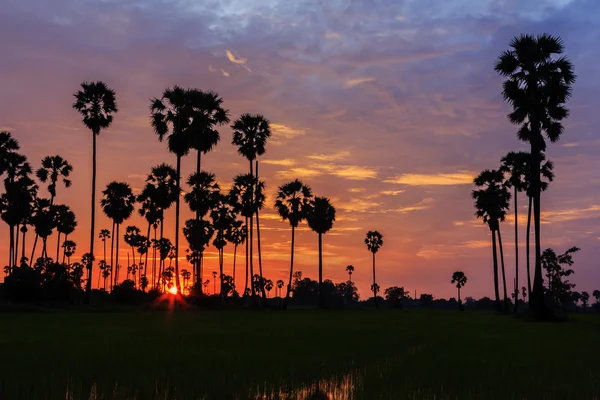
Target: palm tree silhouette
point(268, 286)
point(164, 247)
point(280, 284)
point(96, 103)
point(320, 216)
point(104, 234)
point(223, 218)
point(8, 149)
point(150, 210)
point(539, 81)
point(374, 241)
point(43, 221)
point(132, 238)
point(118, 204)
point(459, 278)
point(237, 236)
point(259, 200)
point(198, 234)
point(250, 135)
point(292, 204)
point(164, 192)
point(65, 224)
point(491, 204)
point(53, 168)
point(69, 248)
point(186, 275)
point(174, 117)
point(350, 270)
point(214, 274)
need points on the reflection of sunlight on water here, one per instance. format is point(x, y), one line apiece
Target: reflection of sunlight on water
point(338, 388)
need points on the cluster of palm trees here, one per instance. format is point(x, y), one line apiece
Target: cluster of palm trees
point(537, 86)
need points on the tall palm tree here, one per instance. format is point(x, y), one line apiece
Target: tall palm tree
point(223, 217)
point(374, 241)
point(104, 234)
point(132, 238)
point(173, 118)
point(150, 210)
point(350, 270)
point(214, 274)
point(118, 204)
point(515, 164)
point(250, 135)
point(292, 204)
point(164, 192)
point(491, 203)
point(65, 224)
point(460, 279)
point(259, 200)
point(320, 216)
point(538, 85)
point(96, 103)
point(236, 235)
point(8, 148)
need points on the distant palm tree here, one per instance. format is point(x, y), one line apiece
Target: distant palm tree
point(164, 248)
point(585, 298)
point(292, 204)
point(8, 149)
point(54, 168)
point(259, 202)
point(65, 224)
point(459, 278)
point(268, 287)
point(198, 234)
point(186, 275)
point(43, 221)
point(132, 238)
point(237, 236)
point(250, 135)
point(214, 274)
point(69, 248)
point(320, 216)
point(350, 270)
point(104, 234)
point(280, 284)
point(491, 203)
point(164, 192)
point(96, 103)
point(374, 241)
point(205, 284)
point(539, 81)
point(150, 210)
point(118, 204)
point(223, 218)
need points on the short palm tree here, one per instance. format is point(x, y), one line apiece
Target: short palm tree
point(223, 217)
point(374, 241)
point(118, 204)
point(150, 210)
point(96, 103)
point(538, 84)
point(69, 248)
point(54, 168)
point(350, 270)
point(459, 278)
point(214, 274)
point(237, 235)
point(132, 238)
point(320, 216)
point(268, 286)
point(65, 224)
point(491, 203)
point(280, 284)
point(44, 221)
point(198, 234)
point(104, 235)
point(292, 204)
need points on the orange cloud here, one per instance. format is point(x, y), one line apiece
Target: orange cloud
point(355, 82)
point(456, 178)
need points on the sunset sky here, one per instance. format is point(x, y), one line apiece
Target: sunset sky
point(389, 108)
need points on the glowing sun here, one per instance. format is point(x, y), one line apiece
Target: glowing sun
point(173, 290)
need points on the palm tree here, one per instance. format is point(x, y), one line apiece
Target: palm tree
point(223, 218)
point(174, 117)
point(43, 221)
point(280, 284)
point(268, 286)
point(186, 275)
point(250, 135)
point(69, 248)
point(54, 168)
point(214, 274)
point(237, 235)
point(320, 216)
point(374, 241)
point(203, 196)
point(104, 234)
point(198, 234)
point(259, 200)
point(164, 247)
point(491, 203)
point(65, 224)
point(539, 81)
point(459, 278)
point(118, 204)
point(164, 192)
point(132, 238)
point(350, 270)
point(8, 149)
point(515, 164)
point(292, 204)
point(150, 210)
point(96, 103)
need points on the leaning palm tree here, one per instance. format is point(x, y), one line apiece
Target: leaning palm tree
point(350, 270)
point(320, 216)
point(65, 224)
point(293, 201)
point(118, 204)
point(460, 279)
point(374, 241)
point(491, 203)
point(250, 135)
point(96, 103)
point(538, 85)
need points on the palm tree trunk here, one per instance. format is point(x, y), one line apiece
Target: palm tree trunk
point(321, 300)
point(289, 286)
point(495, 257)
point(57, 246)
point(113, 268)
point(154, 260)
point(516, 252)
point(197, 259)
point(11, 247)
point(234, 257)
point(258, 243)
point(459, 302)
point(23, 247)
point(537, 296)
point(374, 283)
point(16, 249)
point(247, 240)
point(117, 268)
point(177, 207)
point(161, 264)
point(95, 132)
point(146, 258)
point(529, 209)
point(221, 271)
point(44, 249)
point(253, 292)
point(503, 274)
point(33, 251)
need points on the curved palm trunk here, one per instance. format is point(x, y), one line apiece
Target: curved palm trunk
point(516, 253)
point(321, 299)
point(31, 262)
point(177, 207)
point(57, 247)
point(113, 268)
point(289, 286)
point(197, 259)
point(503, 274)
point(529, 209)
point(264, 296)
point(495, 257)
point(374, 291)
point(95, 132)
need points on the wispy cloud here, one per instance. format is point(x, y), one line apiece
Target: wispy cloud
point(439, 179)
point(286, 162)
point(286, 132)
point(391, 192)
point(338, 155)
point(358, 81)
point(234, 59)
